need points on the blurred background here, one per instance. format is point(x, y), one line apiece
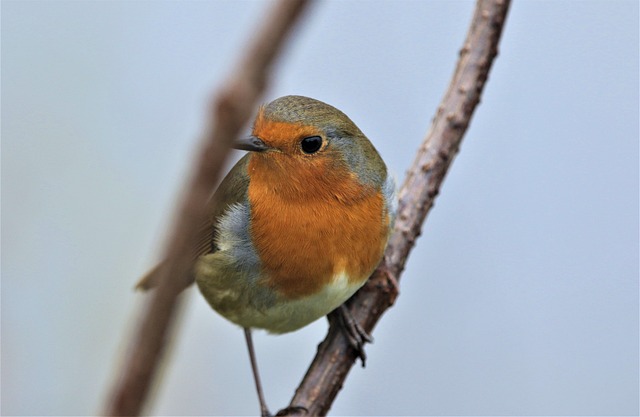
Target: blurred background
point(520, 298)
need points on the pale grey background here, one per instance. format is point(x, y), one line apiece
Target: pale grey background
point(521, 296)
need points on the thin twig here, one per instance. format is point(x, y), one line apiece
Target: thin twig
point(334, 359)
point(231, 110)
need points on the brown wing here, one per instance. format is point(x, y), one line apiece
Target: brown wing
point(232, 190)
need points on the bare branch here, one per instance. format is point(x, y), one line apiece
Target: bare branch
point(231, 110)
point(335, 358)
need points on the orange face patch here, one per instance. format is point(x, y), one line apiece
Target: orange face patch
point(310, 216)
point(282, 135)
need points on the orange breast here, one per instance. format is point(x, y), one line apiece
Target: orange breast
point(307, 230)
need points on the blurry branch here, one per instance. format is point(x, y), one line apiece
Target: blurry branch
point(335, 357)
point(230, 111)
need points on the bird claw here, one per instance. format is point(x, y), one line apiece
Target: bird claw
point(353, 331)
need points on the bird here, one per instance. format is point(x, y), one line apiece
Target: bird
point(297, 226)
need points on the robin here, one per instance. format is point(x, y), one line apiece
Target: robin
point(298, 224)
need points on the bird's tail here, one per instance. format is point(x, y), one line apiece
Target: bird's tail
point(150, 279)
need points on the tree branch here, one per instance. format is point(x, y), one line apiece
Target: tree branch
point(334, 358)
point(231, 110)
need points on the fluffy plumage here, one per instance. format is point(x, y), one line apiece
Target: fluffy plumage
point(294, 235)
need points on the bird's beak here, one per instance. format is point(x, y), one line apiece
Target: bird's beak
point(250, 143)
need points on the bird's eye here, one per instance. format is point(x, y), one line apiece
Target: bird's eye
point(311, 144)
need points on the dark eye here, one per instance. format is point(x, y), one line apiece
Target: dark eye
point(311, 144)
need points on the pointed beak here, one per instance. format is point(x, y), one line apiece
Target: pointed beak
point(250, 143)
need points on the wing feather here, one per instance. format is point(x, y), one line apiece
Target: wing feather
point(232, 190)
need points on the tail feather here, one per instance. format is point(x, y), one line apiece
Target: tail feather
point(150, 279)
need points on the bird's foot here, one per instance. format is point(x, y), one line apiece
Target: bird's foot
point(352, 330)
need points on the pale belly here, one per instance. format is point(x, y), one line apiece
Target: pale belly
point(240, 299)
point(289, 315)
